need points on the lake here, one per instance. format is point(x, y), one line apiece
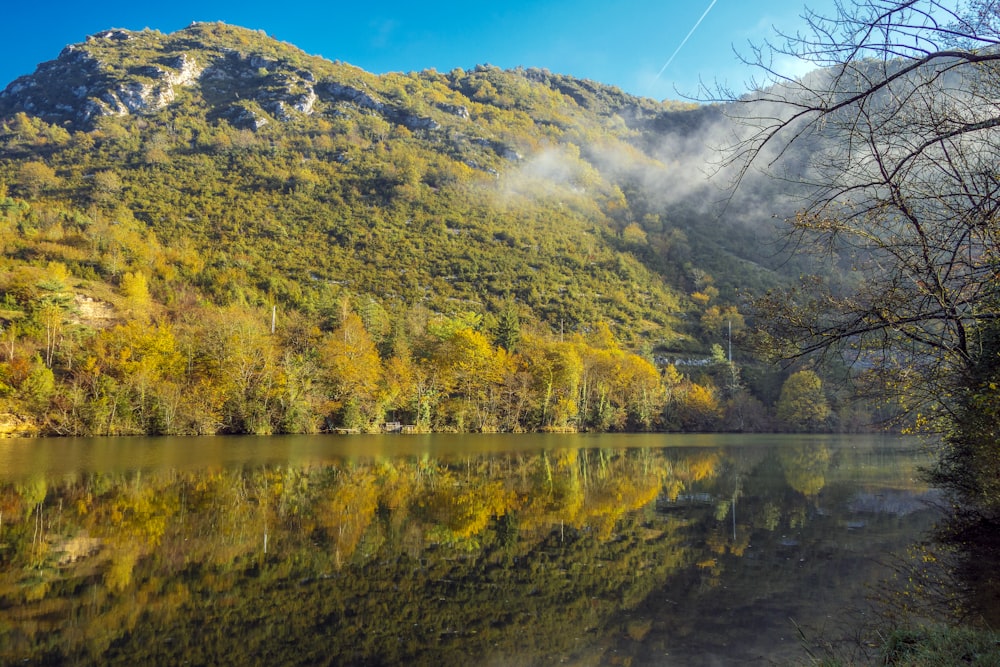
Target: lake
point(450, 549)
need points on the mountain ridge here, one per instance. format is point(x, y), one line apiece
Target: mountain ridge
point(242, 79)
point(217, 173)
point(124, 87)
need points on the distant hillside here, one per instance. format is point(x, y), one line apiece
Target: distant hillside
point(466, 187)
point(220, 168)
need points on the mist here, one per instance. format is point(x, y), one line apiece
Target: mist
point(681, 160)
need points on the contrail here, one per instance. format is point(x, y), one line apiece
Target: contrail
point(683, 42)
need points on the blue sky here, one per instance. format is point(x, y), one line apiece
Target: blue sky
point(624, 43)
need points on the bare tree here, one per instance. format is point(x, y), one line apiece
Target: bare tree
point(895, 140)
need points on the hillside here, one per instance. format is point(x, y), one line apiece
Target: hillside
point(167, 178)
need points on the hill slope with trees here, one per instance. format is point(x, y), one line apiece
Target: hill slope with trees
point(212, 231)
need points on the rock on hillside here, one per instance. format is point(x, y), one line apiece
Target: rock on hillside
point(457, 188)
point(246, 80)
point(79, 87)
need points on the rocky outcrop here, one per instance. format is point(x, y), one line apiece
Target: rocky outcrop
point(455, 110)
point(16, 426)
point(503, 150)
point(334, 91)
point(244, 119)
point(81, 86)
point(184, 70)
point(58, 88)
point(78, 87)
point(280, 89)
point(414, 122)
point(283, 102)
point(113, 35)
point(92, 312)
point(107, 76)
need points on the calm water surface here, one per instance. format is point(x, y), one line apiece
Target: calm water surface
point(447, 549)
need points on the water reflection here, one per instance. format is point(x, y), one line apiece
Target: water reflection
point(953, 577)
point(288, 551)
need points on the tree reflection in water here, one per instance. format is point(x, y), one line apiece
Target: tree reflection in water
point(952, 577)
point(593, 555)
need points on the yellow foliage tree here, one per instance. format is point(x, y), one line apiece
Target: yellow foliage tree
point(556, 368)
point(471, 370)
point(641, 390)
point(135, 289)
point(237, 355)
point(354, 372)
point(802, 405)
point(695, 407)
point(37, 177)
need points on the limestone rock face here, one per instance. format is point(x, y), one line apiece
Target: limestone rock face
point(338, 91)
point(185, 70)
point(79, 87)
point(276, 88)
point(243, 78)
point(120, 72)
point(455, 110)
point(243, 118)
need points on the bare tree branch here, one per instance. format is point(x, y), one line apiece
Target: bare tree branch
point(895, 140)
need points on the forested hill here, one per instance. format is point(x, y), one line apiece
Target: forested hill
point(145, 176)
point(295, 178)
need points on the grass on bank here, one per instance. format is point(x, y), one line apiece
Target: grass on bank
point(935, 646)
point(941, 646)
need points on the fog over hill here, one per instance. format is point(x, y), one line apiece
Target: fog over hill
point(519, 143)
point(214, 178)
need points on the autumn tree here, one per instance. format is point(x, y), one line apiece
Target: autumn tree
point(354, 371)
point(37, 177)
point(802, 406)
point(107, 187)
point(132, 378)
point(556, 368)
point(471, 370)
point(51, 306)
point(38, 387)
point(641, 391)
point(694, 407)
point(722, 323)
point(135, 289)
point(239, 357)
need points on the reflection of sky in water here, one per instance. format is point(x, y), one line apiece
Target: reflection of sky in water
point(657, 548)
